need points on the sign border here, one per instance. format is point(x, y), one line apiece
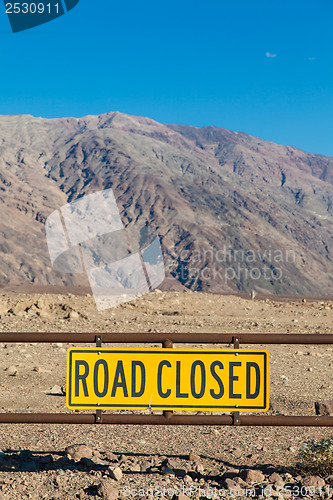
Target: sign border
point(262, 352)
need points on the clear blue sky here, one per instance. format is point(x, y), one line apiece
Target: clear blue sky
point(190, 62)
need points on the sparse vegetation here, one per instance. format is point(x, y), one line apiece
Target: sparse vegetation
point(316, 457)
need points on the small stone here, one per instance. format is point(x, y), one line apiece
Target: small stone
point(181, 496)
point(111, 457)
point(168, 472)
point(199, 468)
point(44, 313)
point(240, 482)
point(73, 315)
point(310, 369)
point(56, 391)
point(324, 408)
point(78, 451)
point(329, 480)
point(107, 491)
point(187, 479)
point(292, 449)
point(40, 303)
point(237, 452)
point(193, 457)
point(314, 481)
point(115, 473)
point(170, 462)
point(252, 476)
point(229, 484)
point(273, 478)
point(135, 468)
point(59, 344)
point(11, 371)
point(98, 461)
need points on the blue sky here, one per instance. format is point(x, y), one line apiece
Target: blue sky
point(190, 62)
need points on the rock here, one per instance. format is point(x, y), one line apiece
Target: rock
point(115, 473)
point(78, 451)
point(239, 481)
point(99, 461)
point(324, 408)
point(107, 490)
point(252, 476)
point(11, 371)
point(229, 484)
point(329, 480)
point(135, 468)
point(273, 478)
point(237, 452)
point(111, 457)
point(187, 479)
point(56, 391)
point(73, 315)
point(172, 463)
point(193, 457)
point(199, 468)
point(41, 303)
point(292, 449)
point(168, 472)
point(43, 313)
point(314, 481)
point(181, 496)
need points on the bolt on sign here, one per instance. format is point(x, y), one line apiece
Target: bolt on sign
point(168, 379)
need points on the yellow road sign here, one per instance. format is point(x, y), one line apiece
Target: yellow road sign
point(168, 379)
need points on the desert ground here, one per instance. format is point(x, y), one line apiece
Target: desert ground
point(146, 461)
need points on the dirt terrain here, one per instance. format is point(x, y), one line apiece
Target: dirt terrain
point(33, 461)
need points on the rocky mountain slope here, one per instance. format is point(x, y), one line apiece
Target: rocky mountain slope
point(234, 213)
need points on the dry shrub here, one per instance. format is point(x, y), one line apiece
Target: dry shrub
point(316, 457)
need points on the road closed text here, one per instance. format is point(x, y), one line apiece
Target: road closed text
point(171, 379)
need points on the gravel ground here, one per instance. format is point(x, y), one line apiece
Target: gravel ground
point(196, 461)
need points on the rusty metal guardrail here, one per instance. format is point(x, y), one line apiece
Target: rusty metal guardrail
point(168, 417)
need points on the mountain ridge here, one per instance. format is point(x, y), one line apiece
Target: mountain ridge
point(200, 189)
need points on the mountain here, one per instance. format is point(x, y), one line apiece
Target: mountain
point(233, 212)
